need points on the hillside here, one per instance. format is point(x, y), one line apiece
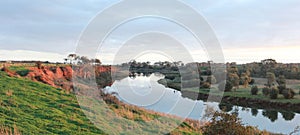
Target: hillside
point(33, 106)
point(37, 108)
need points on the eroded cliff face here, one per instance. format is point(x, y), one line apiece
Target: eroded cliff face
point(61, 77)
point(9, 73)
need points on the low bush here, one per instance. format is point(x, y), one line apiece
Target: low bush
point(281, 88)
point(266, 91)
point(254, 90)
point(252, 82)
point(230, 124)
point(225, 86)
point(288, 93)
point(274, 93)
point(205, 85)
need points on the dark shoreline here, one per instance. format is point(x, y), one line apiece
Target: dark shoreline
point(244, 102)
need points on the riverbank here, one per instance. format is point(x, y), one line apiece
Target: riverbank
point(35, 107)
point(42, 108)
point(240, 97)
point(244, 101)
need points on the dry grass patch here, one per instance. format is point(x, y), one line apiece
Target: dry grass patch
point(8, 131)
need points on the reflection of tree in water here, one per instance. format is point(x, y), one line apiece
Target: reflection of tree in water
point(225, 107)
point(254, 112)
point(134, 74)
point(236, 111)
point(272, 115)
point(288, 116)
point(245, 109)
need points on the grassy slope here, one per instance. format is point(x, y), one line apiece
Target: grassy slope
point(37, 108)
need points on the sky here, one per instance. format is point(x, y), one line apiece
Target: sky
point(247, 30)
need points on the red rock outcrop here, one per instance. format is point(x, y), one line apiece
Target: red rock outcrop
point(60, 77)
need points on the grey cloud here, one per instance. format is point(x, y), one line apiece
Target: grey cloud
point(51, 26)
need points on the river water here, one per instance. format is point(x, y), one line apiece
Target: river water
point(146, 92)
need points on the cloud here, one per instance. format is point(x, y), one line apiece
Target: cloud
point(49, 26)
point(55, 26)
point(255, 22)
point(283, 54)
point(31, 55)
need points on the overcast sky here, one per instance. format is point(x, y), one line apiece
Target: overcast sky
point(248, 30)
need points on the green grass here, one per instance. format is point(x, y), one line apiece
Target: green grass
point(37, 108)
point(20, 70)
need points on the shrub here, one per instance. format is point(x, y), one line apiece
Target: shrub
point(252, 82)
point(228, 86)
point(274, 93)
point(266, 91)
point(225, 86)
point(254, 90)
point(23, 72)
point(205, 85)
point(281, 88)
point(211, 79)
point(230, 124)
point(288, 93)
point(170, 77)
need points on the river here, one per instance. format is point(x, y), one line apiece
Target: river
point(146, 92)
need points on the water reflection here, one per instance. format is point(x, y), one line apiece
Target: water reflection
point(254, 112)
point(270, 120)
point(288, 116)
point(272, 115)
point(225, 107)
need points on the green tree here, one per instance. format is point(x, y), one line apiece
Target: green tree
point(274, 93)
point(281, 83)
point(233, 70)
point(97, 62)
point(246, 79)
point(266, 91)
point(281, 80)
point(85, 60)
point(230, 124)
point(211, 79)
point(234, 79)
point(254, 90)
point(225, 86)
point(271, 79)
point(288, 93)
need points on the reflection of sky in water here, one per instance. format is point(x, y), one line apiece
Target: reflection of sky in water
point(146, 92)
